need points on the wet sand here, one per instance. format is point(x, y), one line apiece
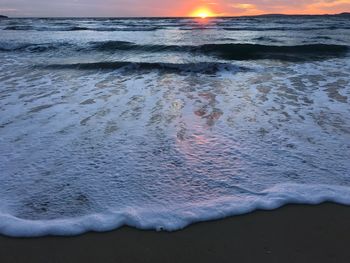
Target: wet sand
point(295, 233)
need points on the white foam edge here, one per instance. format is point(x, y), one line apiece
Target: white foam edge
point(172, 219)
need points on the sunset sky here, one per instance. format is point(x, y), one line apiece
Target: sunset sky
point(168, 7)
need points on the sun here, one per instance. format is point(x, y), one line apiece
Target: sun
point(202, 12)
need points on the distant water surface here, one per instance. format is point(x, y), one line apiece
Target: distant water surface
point(159, 123)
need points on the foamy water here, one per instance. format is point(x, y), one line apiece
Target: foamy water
point(161, 123)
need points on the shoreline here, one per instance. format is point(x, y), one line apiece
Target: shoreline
point(293, 233)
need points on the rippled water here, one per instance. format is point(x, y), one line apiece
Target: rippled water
point(158, 123)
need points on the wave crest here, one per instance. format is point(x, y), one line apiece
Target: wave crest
point(222, 51)
point(201, 67)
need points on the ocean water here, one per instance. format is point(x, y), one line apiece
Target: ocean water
point(160, 123)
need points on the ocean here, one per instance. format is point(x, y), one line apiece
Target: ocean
point(158, 123)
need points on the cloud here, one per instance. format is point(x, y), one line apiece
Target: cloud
point(243, 9)
point(239, 7)
point(330, 5)
point(8, 10)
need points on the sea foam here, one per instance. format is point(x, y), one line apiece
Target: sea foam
point(168, 218)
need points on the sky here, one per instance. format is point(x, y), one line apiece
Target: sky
point(114, 8)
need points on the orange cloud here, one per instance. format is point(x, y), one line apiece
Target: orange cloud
point(329, 6)
point(246, 9)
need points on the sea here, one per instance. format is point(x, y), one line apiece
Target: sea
point(158, 123)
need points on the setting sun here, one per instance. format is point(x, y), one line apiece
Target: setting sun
point(202, 13)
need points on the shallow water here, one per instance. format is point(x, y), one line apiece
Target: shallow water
point(159, 123)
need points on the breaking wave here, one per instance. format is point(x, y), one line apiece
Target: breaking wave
point(201, 67)
point(222, 51)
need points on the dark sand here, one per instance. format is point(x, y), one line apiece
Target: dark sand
point(296, 233)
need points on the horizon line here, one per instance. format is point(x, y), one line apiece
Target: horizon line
point(174, 17)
